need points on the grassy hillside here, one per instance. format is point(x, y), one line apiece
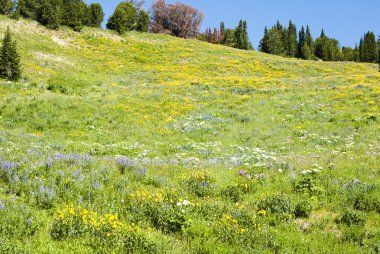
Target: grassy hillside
point(275, 155)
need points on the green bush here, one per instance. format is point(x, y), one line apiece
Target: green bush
point(308, 184)
point(276, 204)
point(302, 209)
point(355, 234)
point(368, 202)
point(351, 217)
point(232, 193)
point(199, 182)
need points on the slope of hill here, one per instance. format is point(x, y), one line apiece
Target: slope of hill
point(270, 154)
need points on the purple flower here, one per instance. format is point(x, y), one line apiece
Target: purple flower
point(243, 172)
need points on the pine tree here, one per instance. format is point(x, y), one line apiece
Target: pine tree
point(246, 43)
point(28, 8)
point(123, 19)
point(143, 21)
point(10, 67)
point(263, 47)
point(229, 38)
point(239, 35)
point(306, 51)
point(6, 7)
point(309, 39)
point(292, 40)
point(369, 51)
point(323, 34)
point(301, 40)
point(49, 13)
point(73, 14)
point(361, 50)
point(95, 15)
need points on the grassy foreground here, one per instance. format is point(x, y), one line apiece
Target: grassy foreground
point(151, 144)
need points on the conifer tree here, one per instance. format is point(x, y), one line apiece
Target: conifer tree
point(28, 8)
point(10, 67)
point(369, 52)
point(263, 47)
point(6, 7)
point(49, 13)
point(323, 34)
point(143, 21)
point(361, 50)
point(309, 39)
point(239, 35)
point(229, 38)
point(73, 14)
point(301, 40)
point(123, 19)
point(246, 43)
point(292, 40)
point(95, 15)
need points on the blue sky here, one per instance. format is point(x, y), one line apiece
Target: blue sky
point(345, 20)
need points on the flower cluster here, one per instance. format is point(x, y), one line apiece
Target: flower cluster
point(76, 221)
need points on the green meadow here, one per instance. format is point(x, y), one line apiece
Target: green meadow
point(145, 143)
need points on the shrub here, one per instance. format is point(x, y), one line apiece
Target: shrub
point(276, 204)
point(355, 234)
point(165, 210)
point(368, 202)
point(308, 184)
point(199, 182)
point(351, 217)
point(99, 231)
point(302, 209)
point(233, 193)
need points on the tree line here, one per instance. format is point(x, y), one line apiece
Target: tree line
point(236, 38)
point(287, 41)
point(55, 13)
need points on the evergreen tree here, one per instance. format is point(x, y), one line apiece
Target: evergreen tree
point(369, 52)
point(263, 47)
point(95, 15)
point(143, 21)
point(361, 50)
point(301, 41)
point(49, 13)
point(292, 40)
point(357, 53)
point(275, 42)
point(309, 39)
point(123, 19)
point(349, 54)
point(327, 49)
point(229, 38)
point(6, 7)
point(28, 8)
point(73, 14)
point(246, 43)
point(306, 52)
point(239, 35)
point(323, 34)
point(10, 67)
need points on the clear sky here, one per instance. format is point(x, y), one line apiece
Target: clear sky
point(345, 20)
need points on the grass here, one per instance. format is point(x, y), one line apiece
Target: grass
point(178, 146)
